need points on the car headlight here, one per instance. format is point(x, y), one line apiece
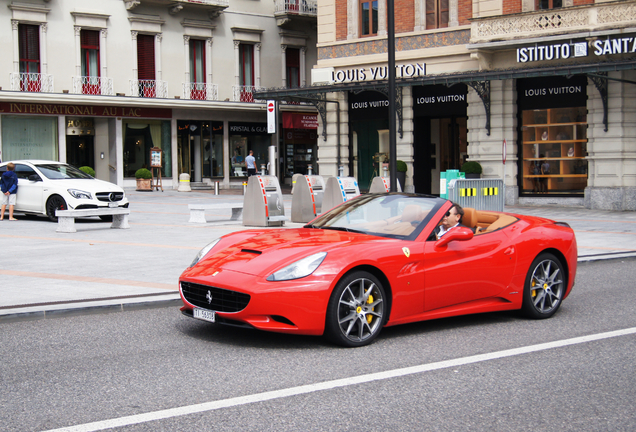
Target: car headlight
point(203, 252)
point(299, 269)
point(80, 194)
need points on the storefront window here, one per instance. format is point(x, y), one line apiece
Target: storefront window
point(554, 145)
point(212, 148)
point(139, 137)
point(300, 151)
point(29, 138)
point(243, 138)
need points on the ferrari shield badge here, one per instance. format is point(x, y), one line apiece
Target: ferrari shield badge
point(406, 251)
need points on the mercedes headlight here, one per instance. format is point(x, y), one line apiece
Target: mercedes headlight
point(299, 269)
point(80, 194)
point(203, 252)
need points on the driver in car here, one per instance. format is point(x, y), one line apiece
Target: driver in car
point(452, 219)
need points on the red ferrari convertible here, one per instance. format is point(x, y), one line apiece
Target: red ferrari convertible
point(375, 261)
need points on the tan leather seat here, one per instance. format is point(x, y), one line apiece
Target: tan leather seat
point(470, 217)
point(412, 213)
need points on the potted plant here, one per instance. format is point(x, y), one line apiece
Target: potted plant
point(472, 169)
point(87, 170)
point(401, 172)
point(144, 179)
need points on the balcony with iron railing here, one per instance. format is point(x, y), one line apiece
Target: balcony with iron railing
point(31, 82)
point(149, 88)
point(287, 11)
point(200, 91)
point(212, 7)
point(542, 23)
point(92, 85)
point(245, 93)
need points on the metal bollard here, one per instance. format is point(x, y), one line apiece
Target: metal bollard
point(310, 170)
point(216, 188)
point(263, 169)
point(341, 171)
point(385, 171)
point(244, 188)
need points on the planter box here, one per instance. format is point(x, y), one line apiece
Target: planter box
point(144, 184)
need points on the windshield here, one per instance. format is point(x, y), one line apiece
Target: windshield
point(60, 171)
point(388, 215)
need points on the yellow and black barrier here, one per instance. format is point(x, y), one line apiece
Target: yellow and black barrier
point(480, 194)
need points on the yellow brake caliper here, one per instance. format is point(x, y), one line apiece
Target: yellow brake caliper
point(534, 291)
point(369, 301)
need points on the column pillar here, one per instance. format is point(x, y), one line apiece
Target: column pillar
point(16, 46)
point(44, 65)
point(237, 63)
point(303, 68)
point(382, 18)
point(103, 33)
point(78, 51)
point(284, 64)
point(158, 74)
point(61, 138)
point(257, 64)
point(208, 61)
point(187, 87)
point(135, 74)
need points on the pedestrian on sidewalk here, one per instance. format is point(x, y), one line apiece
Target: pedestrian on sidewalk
point(9, 187)
point(251, 164)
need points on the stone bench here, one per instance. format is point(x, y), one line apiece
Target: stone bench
point(197, 211)
point(66, 218)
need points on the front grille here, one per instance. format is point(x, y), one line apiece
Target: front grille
point(110, 196)
point(222, 300)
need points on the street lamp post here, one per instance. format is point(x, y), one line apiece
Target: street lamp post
point(392, 108)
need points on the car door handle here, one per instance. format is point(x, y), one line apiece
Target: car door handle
point(509, 251)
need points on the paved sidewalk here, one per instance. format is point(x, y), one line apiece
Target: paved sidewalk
point(44, 274)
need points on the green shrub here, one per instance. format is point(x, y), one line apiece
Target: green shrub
point(471, 167)
point(88, 170)
point(401, 166)
point(143, 173)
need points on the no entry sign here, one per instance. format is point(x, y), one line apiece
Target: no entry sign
point(271, 116)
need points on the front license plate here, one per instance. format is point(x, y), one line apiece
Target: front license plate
point(112, 205)
point(205, 315)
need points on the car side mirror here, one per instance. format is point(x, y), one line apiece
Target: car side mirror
point(456, 234)
point(34, 177)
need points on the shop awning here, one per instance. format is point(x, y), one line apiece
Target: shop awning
point(478, 80)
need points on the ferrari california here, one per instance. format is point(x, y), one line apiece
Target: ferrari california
point(47, 186)
point(375, 261)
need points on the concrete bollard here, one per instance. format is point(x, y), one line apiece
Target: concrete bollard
point(184, 183)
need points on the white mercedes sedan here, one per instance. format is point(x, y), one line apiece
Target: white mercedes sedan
point(45, 186)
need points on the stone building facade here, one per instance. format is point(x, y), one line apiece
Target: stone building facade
point(540, 93)
point(100, 83)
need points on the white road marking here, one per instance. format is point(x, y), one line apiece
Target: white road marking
point(328, 385)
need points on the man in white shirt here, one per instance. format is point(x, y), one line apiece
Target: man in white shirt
point(251, 164)
point(451, 219)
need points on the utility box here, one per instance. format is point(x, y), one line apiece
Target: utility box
point(307, 197)
point(339, 190)
point(382, 185)
point(263, 202)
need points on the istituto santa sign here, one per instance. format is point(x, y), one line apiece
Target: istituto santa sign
point(566, 50)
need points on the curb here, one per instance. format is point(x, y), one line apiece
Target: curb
point(89, 310)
